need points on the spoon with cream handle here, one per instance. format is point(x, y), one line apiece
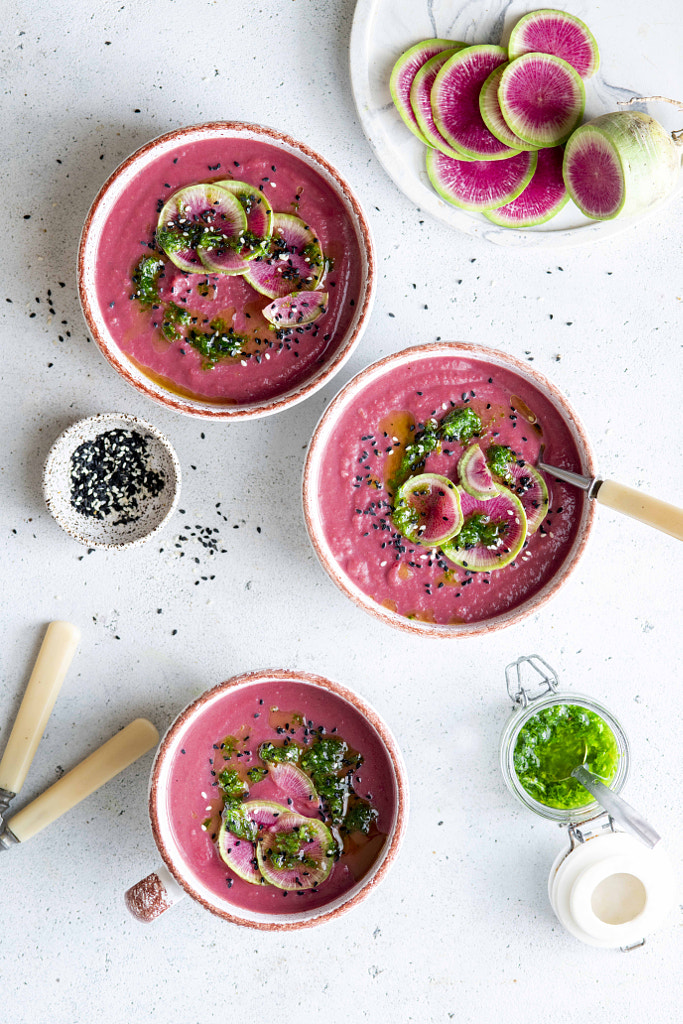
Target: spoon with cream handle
point(627, 500)
point(623, 813)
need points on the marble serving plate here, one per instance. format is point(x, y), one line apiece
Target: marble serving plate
point(637, 59)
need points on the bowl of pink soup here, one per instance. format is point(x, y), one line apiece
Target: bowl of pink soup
point(189, 255)
point(417, 420)
point(277, 801)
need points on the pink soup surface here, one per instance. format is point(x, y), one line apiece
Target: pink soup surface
point(364, 450)
point(291, 186)
point(193, 790)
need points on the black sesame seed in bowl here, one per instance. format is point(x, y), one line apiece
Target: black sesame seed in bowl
point(111, 480)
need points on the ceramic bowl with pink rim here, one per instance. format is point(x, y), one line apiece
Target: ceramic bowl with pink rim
point(226, 270)
point(278, 800)
point(421, 498)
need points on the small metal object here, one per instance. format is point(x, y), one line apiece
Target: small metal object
point(7, 838)
point(527, 674)
point(628, 817)
point(591, 485)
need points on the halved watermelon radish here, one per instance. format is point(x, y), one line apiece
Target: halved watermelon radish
point(541, 98)
point(489, 108)
point(296, 309)
point(294, 261)
point(620, 163)
point(296, 853)
point(475, 475)
point(421, 102)
point(560, 34)
point(240, 854)
point(427, 509)
point(523, 480)
point(480, 184)
point(294, 782)
point(455, 103)
point(196, 216)
point(544, 196)
point(403, 74)
point(492, 535)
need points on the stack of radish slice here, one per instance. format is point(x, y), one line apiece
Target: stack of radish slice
point(494, 120)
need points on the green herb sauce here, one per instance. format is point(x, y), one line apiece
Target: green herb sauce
point(460, 424)
point(287, 851)
point(499, 458)
point(555, 741)
point(269, 753)
point(146, 280)
point(480, 529)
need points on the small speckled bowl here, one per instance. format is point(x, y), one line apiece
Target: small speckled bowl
point(354, 397)
point(106, 532)
point(227, 136)
point(171, 821)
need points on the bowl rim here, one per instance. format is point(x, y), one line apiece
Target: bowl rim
point(103, 419)
point(193, 709)
point(314, 455)
point(87, 250)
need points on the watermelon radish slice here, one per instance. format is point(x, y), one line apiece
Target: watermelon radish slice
point(492, 535)
point(294, 261)
point(403, 75)
point(480, 184)
point(293, 782)
point(560, 34)
point(196, 216)
point(523, 480)
point(240, 854)
point(296, 309)
point(544, 196)
point(620, 163)
point(489, 108)
point(296, 852)
point(257, 209)
point(427, 509)
point(455, 103)
point(475, 475)
point(421, 102)
point(541, 98)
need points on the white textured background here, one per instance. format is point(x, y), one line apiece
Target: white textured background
point(461, 929)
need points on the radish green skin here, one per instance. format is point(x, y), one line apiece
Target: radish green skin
point(452, 179)
point(637, 150)
point(542, 199)
point(420, 92)
point(403, 74)
point(475, 476)
point(557, 33)
point(455, 103)
point(491, 115)
point(561, 119)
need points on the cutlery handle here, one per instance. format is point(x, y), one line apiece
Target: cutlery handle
point(651, 511)
point(101, 766)
point(57, 650)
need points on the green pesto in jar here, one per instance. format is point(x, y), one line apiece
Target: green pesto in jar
point(555, 741)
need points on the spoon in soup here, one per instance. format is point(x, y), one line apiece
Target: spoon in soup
point(627, 500)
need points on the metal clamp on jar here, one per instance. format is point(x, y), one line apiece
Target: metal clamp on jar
point(615, 883)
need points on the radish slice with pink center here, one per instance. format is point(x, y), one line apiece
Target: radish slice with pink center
point(403, 75)
point(489, 108)
point(294, 261)
point(296, 853)
point(455, 103)
point(240, 854)
point(493, 532)
point(544, 196)
point(427, 509)
point(475, 475)
point(560, 34)
point(257, 209)
point(293, 782)
point(296, 309)
point(191, 217)
point(541, 98)
point(620, 163)
point(233, 259)
point(421, 102)
point(480, 184)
